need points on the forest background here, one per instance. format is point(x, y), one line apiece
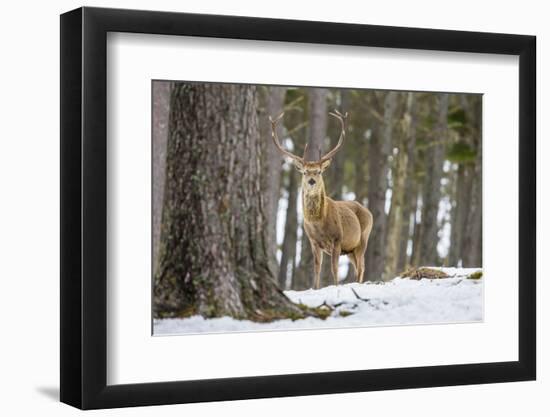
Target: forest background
point(413, 158)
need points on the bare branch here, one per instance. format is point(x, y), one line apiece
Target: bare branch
point(325, 305)
point(293, 105)
point(296, 128)
point(377, 115)
point(358, 297)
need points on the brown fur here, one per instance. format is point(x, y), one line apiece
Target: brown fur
point(333, 227)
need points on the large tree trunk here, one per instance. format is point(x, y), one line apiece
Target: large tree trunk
point(379, 151)
point(274, 98)
point(316, 139)
point(432, 190)
point(396, 220)
point(288, 250)
point(161, 111)
point(213, 252)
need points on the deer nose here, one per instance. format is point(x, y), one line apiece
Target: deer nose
point(311, 181)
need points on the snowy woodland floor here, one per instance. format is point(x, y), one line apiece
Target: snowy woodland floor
point(401, 301)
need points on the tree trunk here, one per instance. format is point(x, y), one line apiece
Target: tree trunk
point(335, 173)
point(213, 252)
point(396, 220)
point(464, 177)
point(161, 111)
point(409, 220)
point(416, 258)
point(360, 130)
point(361, 176)
point(473, 240)
point(411, 192)
point(432, 190)
point(288, 255)
point(463, 192)
point(379, 151)
point(274, 98)
point(473, 256)
point(316, 139)
point(317, 123)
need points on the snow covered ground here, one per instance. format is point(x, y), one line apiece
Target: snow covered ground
point(400, 301)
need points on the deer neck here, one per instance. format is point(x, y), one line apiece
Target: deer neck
point(314, 204)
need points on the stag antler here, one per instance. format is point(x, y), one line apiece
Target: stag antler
point(278, 144)
point(329, 155)
point(342, 118)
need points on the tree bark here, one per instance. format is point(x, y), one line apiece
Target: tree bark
point(288, 250)
point(411, 192)
point(274, 98)
point(213, 251)
point(473, 240)
point(161, 111)
point(463, 191)
point(432, 190)
point(464, 182)
point(396, 220)
point(379, 151)
point(409, 220)
point(335, 173)
point(317, 123)
point(473, 249)
point(360, 180)
point(416, 259)
point(359, 122)
point(316, 138)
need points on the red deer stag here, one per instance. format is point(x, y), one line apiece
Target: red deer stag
point(334, 227)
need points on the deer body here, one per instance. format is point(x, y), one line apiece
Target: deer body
point(332, 227)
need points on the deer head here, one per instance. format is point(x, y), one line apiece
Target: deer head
point(312, 171)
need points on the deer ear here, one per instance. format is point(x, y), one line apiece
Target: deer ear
point(325, 164)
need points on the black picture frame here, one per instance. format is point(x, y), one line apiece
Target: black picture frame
point(84, 207)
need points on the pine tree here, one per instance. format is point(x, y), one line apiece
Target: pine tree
point(213, 251)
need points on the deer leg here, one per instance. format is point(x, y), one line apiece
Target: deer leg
point(335, 256)
point(360, 268)
point(353, 262)
point(317, 262)
point(360, 254)
point(358, 262)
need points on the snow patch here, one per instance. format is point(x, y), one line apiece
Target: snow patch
point(401, 301)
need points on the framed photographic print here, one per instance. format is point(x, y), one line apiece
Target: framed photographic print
point(258, 208)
